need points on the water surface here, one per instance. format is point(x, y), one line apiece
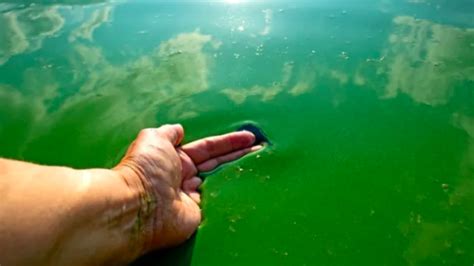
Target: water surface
point(369, 106)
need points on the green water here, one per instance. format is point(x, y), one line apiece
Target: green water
point(369, 105)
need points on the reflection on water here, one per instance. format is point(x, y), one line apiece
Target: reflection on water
point(130, 94)
point(302, 84)
point(427, 61)
point(424, 60)
point(24, 30)
point(62, 81)
point(463, 196)
point(432, 238)
point(86, 30)
point(177, 69)
point(268, 13)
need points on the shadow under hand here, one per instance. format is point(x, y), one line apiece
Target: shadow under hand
point(180, 255)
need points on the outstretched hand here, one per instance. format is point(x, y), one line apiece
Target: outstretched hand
point(55, 215)
point(168, 172)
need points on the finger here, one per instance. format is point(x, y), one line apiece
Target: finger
point(173, 133)
point(204, 149)
point(188, 168)
point(195, 196)
point(215, 162)
point(192, 184)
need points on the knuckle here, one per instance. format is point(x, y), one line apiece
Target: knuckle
point(209, 145)
point(146, 131)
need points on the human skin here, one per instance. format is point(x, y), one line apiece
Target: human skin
point(53, 215)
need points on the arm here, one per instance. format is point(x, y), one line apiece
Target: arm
point(59, 215)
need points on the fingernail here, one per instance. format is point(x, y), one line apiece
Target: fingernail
point(259, 135)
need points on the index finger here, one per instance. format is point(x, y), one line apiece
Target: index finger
point(204, 149)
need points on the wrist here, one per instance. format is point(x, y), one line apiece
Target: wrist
point(148, 219)
point(114, 208)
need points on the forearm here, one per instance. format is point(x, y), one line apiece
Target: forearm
point(59, 215)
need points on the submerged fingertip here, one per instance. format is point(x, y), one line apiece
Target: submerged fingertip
point(259, 135)
point(248, 134)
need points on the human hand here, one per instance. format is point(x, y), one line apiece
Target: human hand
point(168, 174)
